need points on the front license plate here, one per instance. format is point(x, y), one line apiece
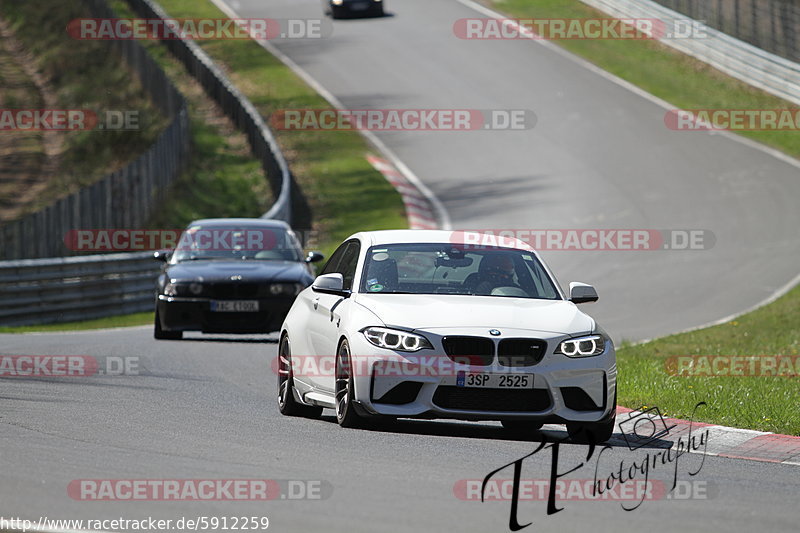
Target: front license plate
point(360, 6)
point(234, 306)
point(494, 381)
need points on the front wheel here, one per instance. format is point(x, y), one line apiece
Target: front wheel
point(287, 404)
point(596, 433)
point(346, 414)
point(162, 334)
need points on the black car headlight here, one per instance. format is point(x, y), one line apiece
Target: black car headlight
point(285, 289)
point(395, 339)
point(183, 289)
point(176, 289)
point(582, 346)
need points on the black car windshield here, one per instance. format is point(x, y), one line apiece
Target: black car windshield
point(224, 242)
point(456, 269)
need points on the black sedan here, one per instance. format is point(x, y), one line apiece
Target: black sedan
point(338, 8)
point(235, 275)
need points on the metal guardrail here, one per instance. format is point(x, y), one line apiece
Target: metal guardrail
point(743, 61)
point(772, 25)
point(65, 289)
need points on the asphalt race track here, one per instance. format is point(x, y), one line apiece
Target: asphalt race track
point(205, 409)
point(599, 157)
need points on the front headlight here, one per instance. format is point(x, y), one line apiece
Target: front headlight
point(285, 289)
point(183, 289)
point(394, 339)
point(176, 289)
point(582, 346)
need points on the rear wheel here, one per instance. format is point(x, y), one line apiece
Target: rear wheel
point(287, 404)
point(161, 334)
point(521, 426)
point(346, 414)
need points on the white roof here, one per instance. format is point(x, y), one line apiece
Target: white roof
point(475, 238)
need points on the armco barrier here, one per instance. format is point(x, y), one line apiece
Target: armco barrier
point(64, 289)
point(772, 25)
point(736, 58)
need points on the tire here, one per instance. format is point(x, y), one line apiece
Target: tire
point(162, 334)
point(378, 11)
point(521, 426)
point(594, 433)
point(597, 433)
point(287, 405)
point(346, 414)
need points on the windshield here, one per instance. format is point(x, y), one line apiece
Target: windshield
point(448, 269)
point(237, 242)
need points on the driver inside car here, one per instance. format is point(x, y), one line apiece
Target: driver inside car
point(496, 270)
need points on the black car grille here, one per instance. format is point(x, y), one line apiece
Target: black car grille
point(521, 352)
point(474, 399)
point(236, 291)
point(477, 351)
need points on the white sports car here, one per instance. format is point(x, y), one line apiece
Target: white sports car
point(428, 324)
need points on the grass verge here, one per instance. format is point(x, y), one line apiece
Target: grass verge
point(755, 402)
point(223, 178)
point(122, 321)
point(660, 70)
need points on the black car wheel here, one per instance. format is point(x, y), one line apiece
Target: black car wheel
point(594, 433)
point(162, 334)
point(287, 404)
point(346, 414)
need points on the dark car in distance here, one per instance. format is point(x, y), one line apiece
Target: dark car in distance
point(339, 8)
point(233, 275)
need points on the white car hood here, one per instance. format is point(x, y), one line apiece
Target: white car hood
point(428, 311)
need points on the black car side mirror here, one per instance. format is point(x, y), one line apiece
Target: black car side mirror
point(162, 255)
point(314, 257)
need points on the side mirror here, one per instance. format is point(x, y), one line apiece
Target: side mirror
point(314, 257)
point(330, 284)
point(580, 293)
point(162, 255)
